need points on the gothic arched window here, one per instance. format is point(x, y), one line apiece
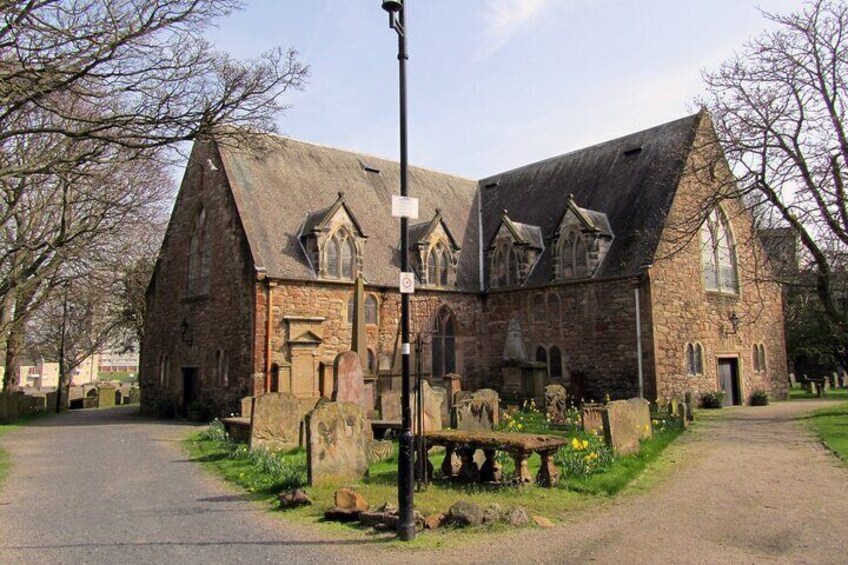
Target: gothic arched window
point(371, 310)
point(542, 357)
point(718, 254)
point(581, 258)
point(567, 258)
point(340, 252)
point(200, 258)
point(444, 344)
point(555, 363)
point(514, 270)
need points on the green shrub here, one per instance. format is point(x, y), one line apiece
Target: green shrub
point(713, 399)
point(759, 398)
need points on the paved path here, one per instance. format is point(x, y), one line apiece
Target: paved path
point(104, 486)
point(752, 486)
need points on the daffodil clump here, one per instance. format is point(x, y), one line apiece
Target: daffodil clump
point(585, 455)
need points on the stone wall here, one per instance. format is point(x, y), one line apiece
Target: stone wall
point(218, 321)
point(685, 312)
point(318, 310)
point(593, 324)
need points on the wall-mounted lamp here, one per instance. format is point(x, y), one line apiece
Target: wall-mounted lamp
point(733, 318)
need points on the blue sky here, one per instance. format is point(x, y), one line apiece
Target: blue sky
point(493, 84)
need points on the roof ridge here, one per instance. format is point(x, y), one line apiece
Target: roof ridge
point(594, 145)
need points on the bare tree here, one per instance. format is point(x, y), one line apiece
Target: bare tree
point(779, 107)
point(94, 97)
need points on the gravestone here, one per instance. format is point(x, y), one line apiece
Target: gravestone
point(690, 406)
point(625, 425)
point(792, 382)
point(135, 395)
point(434, 399)
point(349, 385)
point(642, 412)
point(591, 418)
point(835, 380)
point(105, 396)
point(555, 403)
point(276, 420)
point(246, 406)
point(337, 443)
point(480, 412)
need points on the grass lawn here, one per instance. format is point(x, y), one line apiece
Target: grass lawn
point(833, 394)
point(831, 425)
point(265, 475)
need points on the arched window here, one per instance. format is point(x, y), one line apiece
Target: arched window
point(348, 253)
point(761, 354)
point(431, 267)
point(222, 365)
point(200, 257)
point(371, 310)
point(694, 359)
point(718, 254)
point(554, 311)
point(555, 364)
point(581, 259)
point(568, 257)
point(755, 357)
point(333, 258)
point(340, 251)
point(163, 371)
point(444, 259)
point(539, 308)
point(542, 357)
point(444, 344)
point(500, 267)
point(514, 271)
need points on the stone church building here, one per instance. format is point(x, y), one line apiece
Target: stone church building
point(598, 269)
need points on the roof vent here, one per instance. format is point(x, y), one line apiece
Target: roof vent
point(492, 183)
point(632, 151)
point(368, 168)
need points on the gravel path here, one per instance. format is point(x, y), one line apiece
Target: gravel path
point(751, 486)
point(104, 486)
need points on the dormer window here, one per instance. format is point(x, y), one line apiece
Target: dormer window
point(334, 241)
point(514, 252)
point(582, 241)
point(436, 251)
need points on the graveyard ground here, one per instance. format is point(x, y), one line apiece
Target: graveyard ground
point(831, 427)
point(264, 475)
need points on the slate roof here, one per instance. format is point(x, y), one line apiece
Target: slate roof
point(279, 187)
point(625, 186)
point(632, 180)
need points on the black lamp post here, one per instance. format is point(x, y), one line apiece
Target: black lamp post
point(406, 520)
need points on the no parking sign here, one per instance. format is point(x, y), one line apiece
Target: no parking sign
point(407, 283)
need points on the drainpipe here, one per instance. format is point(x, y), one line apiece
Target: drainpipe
point(268, 325)
point(639, 340)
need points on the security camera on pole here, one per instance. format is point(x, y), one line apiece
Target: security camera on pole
point(402, 207)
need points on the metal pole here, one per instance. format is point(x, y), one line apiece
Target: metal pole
point(406, 520)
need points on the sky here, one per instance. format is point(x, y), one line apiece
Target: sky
point(493, 84)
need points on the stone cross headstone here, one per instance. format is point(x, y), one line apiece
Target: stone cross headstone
point(337, 443)
point(350, 380)
point(555, 403)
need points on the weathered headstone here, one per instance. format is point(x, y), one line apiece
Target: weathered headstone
point(246, 406)
point(276, 420)
point(625, 425)
point(792, 382)
point(434, 399)
point(555, 403)
point(337, 443)
point(591, 418)
point(642, 412)
point(480, 412)
point(350, 380)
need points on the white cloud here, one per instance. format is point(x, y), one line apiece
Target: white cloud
point(503, 18)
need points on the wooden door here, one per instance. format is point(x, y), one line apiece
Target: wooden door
point(728, 380)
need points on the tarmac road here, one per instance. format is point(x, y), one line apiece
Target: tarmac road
point(109, 487)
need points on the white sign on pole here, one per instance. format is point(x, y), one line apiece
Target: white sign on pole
point(404, 207)
point(407, 283)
